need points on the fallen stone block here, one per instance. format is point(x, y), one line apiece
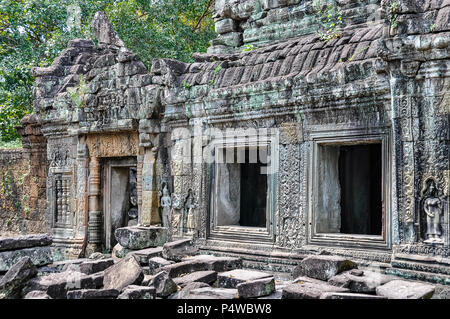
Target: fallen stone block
point(138, 292)
point(57, 285)
point(163, 284)
point(40, 256)
point(232, 278)
point(156, 263)
point(126, 272)
point(25, 241)
point(97, 278)
point(322, 267)
point(91, 266)
point(64, 264)
point(213, 293)
point(402, 289)
point(98, 255)
point(93, 294)
point(256, 288)
point(137, 237)
point(207, 276)
point(176, 250)
point(16, 278)
point(365, 282)
point(346, 295)
point(36, 294)
point(119, 252)
point(308, 290)
point(144, 255)
point(184, 293)
point(202, 263)
point(275, 295)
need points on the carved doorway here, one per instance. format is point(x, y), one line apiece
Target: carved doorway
point(119, 196)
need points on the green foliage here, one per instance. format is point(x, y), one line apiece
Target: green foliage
point(393, 13)
point(248, 48)
point(16, 143)
point(33, 33)
point(78, 94)
point(329, 17)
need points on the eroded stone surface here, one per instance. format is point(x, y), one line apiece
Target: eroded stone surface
point(126, 272)
point(213, 293)
point(345, 295)
point(402, 289)
point(93, 294)
point(256, 288)
point(17, 276)
point(144, 255)
point(308, 290)
point(91, 266)
point(163, 284)
point(138, 292)
point(156, 263)
point(202, 263)
point(232, 278)
point(57, 285)
point(322, 267)
point(176, 250)
point(364, 282)
point(39, 256)
point(25, 241)
point(137, 237)
point(207, 276)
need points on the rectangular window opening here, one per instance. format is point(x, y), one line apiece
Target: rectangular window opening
point(242, 187)
point(350, 186)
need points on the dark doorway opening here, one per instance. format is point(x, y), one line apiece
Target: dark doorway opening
point(253, 190)
point(360, 171)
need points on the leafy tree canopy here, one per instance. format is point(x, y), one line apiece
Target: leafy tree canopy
point(33, 32)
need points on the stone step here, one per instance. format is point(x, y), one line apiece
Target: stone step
point(419, 275)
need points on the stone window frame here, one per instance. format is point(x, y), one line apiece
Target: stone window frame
point(245, 233)
point(351, 136)
point(66, 175)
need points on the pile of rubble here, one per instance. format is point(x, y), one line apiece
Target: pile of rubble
point(145, 266)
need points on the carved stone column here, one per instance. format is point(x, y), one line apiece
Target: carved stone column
point(150, 203)
point(95, 214)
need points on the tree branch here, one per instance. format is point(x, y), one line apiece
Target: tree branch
point(205, 13)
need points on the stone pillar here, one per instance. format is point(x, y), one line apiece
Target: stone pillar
point(150, 203)
point(95, 214)
point(149, 139)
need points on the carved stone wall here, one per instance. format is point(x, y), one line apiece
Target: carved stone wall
point(23, 183)
point(383, 76)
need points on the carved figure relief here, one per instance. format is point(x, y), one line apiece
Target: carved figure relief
point(432, 211)
point(60, 158)
point(166, 203)
point(189, 215)
point(176, 213)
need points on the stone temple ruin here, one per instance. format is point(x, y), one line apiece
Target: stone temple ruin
point(279, 143)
